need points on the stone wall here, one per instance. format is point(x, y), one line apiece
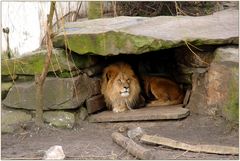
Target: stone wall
point(70, 89)
point(205, 63)
point(209, 72)
point(215, 92)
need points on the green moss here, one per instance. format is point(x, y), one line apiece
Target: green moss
point(26, 65)
point(113, 43)
point(6, 86)
point(231, 108)
point(65, 74)
point(34, 63)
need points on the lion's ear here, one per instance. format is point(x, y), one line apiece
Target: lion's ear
point(110, 74)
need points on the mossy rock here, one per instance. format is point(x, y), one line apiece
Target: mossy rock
point(33, 63)
point(222, 83)
point(60, 119)
point(112, 43)
point(10, 117)
point(228, 57)
point(137, 35)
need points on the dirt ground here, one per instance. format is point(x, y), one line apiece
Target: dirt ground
point(93, 140)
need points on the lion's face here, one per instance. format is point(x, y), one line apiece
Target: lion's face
point(120, 87)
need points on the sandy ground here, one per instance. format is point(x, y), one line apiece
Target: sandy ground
point(93, 140)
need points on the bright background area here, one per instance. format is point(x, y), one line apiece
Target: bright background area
point(26, 22)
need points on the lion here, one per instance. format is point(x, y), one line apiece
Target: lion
point(120, 87)
point(164, 91)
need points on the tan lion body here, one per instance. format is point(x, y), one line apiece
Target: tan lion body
point(120, 87)
point(165, 91)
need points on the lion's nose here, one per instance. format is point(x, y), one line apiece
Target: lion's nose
point(126, 87)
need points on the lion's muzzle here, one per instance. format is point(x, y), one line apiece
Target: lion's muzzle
point(125, 92)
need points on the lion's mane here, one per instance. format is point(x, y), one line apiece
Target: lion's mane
point(116, 79)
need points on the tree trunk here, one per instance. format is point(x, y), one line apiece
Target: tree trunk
point(39, 79)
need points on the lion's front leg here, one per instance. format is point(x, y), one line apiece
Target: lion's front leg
point(119, 108)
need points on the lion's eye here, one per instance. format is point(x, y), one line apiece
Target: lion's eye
point(128, 80)
point(119, 81)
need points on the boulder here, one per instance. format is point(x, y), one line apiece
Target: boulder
point(11, 117)
point(222, 83)
point(137, 35)
point(135, 133)
point(33, 63)
point(216, 92)
point(61, 119)
point(54, 153)
point(59, 93)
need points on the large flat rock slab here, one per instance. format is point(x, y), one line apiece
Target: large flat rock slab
point(142, 114)
point(58, 93)
point(136, 35)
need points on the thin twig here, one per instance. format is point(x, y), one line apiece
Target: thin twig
point(77, 11)
point(195, 47)
point(179, 9)
point(56, 14)
point(169, 10)
point(198, 57)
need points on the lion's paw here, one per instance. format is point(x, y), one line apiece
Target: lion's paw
point(117, 110)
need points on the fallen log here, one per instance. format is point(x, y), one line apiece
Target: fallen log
point(132, 147)
point(215, 149)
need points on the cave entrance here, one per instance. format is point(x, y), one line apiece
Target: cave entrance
point(177, 64)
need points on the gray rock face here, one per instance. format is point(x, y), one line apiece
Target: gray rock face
point(10, 117)
point(61, 119)
point(137, 35)
point(222, 83)
point(54, 153)
point(59, 93)
point(216, 92)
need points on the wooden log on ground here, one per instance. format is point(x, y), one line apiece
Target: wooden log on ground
point(215, 149)
point(132, 147)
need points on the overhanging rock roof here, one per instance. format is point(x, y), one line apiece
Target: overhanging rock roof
point(136, 35)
